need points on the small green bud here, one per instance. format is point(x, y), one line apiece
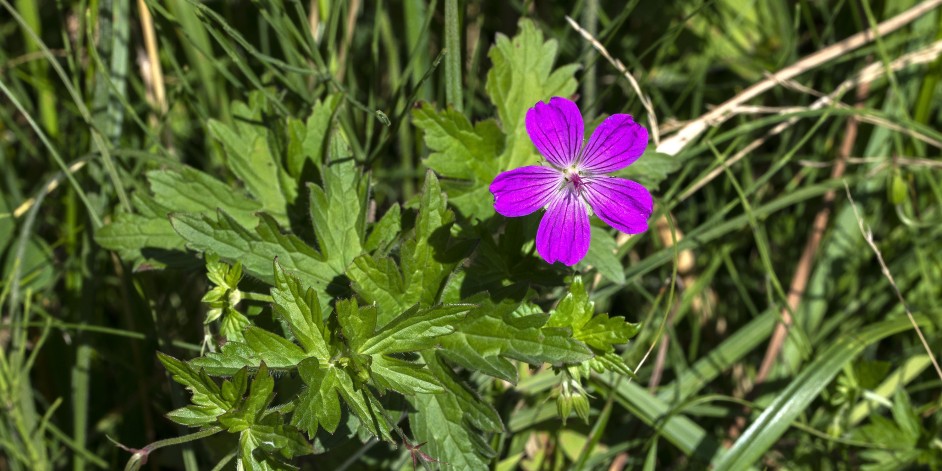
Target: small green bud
point(581, 404)
point(563, 406)
point(212, 315)
point(235, 297)
point(898, 190)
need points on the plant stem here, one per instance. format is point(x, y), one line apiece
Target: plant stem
point(453, 60)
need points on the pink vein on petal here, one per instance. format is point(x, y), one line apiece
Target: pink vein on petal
point(622, 204)
point(614, 145)
point(556, 130)
point(523, 190)
point(563, 234)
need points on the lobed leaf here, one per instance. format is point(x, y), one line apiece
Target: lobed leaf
point(492, 332)
point(300, 309)
point(416, 329)
point(453, 422)
point(250, 157)
point(255, 250)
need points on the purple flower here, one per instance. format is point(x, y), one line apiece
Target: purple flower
point(575, 183)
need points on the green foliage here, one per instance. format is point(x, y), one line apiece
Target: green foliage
point(427, 256)
point(598, 331)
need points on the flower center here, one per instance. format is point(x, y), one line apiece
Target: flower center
point(573, 180)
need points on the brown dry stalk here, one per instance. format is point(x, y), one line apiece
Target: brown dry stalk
point(806, 262)
point(314, 21)
point(354, 8)
point(153, 58)
point(678, 141)
point(50, 186)
point(659, 361)
point(618, 464)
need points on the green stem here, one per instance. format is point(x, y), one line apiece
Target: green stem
point(590, 21)
point(249, 296)
point(140, 456)
point(453, 60)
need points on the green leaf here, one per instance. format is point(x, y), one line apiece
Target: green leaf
point(309, 139)
point(427, 258)
point(600, 332)
point(522, 75)
point(575, 309)
point(338, 212)
point(416, 329)
point(493, 331)
point(257, 446)
point(452, 422)
point(379, 281)
point(255, 250)
point(183, 190)
point(192, 191)
point(318, 405)
point(260, 346)
point(251, 158)
point(602, 257)
point(357, 324)
point(462, 152)
point(384, 231)
point(300, 309)
point(251, 408)
point(194, 416)
point(276, 351)
point(235, 387)
point(276, 437)
point(423, 272)
point(206, 393)
point(404, 377)
point(129, 233)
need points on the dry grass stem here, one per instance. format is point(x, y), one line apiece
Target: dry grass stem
point(353, 10)
point(865, 76)
point(868, 236)
point(645, 101)
point(50, 186)
point(882, 161)
point(674, 144)
point(153, 58)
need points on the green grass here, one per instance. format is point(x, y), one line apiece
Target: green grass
point(81, 136)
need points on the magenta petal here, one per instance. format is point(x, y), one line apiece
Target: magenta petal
point(623, 204)
point(563, 235)
point(523, 190)
point(556, 130)
point(614, 145)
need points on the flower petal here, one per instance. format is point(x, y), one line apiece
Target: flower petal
point(523, 190)
point(563, 235)
point(622, 204)
point(614, 145)
point(556, 130)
